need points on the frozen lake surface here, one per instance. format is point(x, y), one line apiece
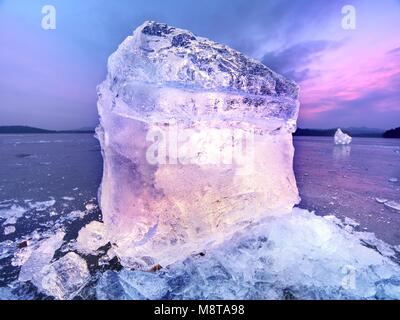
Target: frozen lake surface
point(50, 181)
point(346, 181)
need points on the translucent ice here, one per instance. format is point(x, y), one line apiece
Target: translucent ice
point(192, 133)
point(65, 277)
point(127, 285)
point(39, 257)
point(91, 238)
point(342, 138)
point(300, 256)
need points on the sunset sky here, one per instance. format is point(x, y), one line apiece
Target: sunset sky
point(348, 78)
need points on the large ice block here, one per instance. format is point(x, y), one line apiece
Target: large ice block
point(192, 133)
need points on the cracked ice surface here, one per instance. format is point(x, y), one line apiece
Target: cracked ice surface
point(192, 134)
point(300, 256)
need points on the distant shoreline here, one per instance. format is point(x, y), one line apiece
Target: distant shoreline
point(354, 132)
point(32, 130)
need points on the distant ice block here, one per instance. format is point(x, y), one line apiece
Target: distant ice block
point(342, 138)
point(192, 133)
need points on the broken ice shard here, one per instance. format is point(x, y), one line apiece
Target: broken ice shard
point(342, 138)
point(192, 133)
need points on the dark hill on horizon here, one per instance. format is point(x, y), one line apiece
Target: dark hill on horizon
point(29, 130)
point(393, 133)
point(353, 131)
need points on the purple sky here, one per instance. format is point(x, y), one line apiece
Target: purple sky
point(348, 77)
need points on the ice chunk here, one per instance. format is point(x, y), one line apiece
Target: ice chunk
point(393, 180)
point(39, 257)
point(342, 138)
point(68, 198)
point(65, 277)
point(6, 249)
point(143, 285)
point(74, 215)
point(91, 238)
point(126, 285)
point(381, 200)
point(302, 255)
point(42, 205)
point(21, 256)
point(9, 230)
point(12, 214)
point(6, 294)
point(351, 222)
point(90, 206)
point(393, 205)
point(192, 133)
point(109, 287)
